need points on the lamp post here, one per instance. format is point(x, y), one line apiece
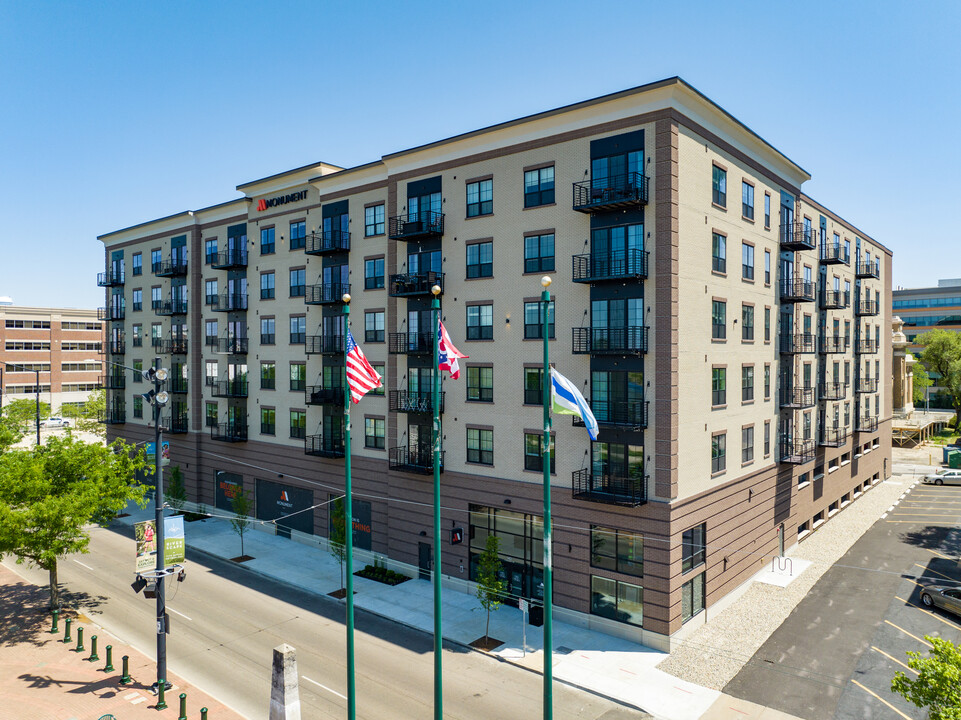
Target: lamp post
point(435, 446)
point(546, 459)
point(348, 527)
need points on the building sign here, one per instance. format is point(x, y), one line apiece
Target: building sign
point(265, 203)
point(456, 536)
point(226, 487)
point(361, 522)
point(290, 506)
point(175, 545)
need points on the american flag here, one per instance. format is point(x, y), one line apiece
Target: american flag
point(447, 354)
point(361, 377)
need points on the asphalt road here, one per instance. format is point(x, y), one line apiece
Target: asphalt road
point(836, 654)
point(225, 622)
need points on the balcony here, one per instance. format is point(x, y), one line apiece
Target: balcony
point(867, 347)
point(866, 307)
point(609, 489)
point(833, 391)
point(868, 270)
point(609, 341)
point(111, 278)
point(172, 307)
point(229, 388)
point(326, 293)
point(171, 268)
point(322, 395)
point(176, 425)
point(115, 415)
point(618, 413)
point(835, 300)
point(325, 242)
point(866, 424)
point(230, 346)
point(229, 302)
point(833, 344)
point(835, 254)
point(230, 260)
point(616, 192)
point(413, 284)
point(410, 343)
point(416, 459)
point(796, 236)
point(229, 432)
point(866, 385)
point(796, 290)
point(416, 226)
point(117, 347)
point(174, 347)
point(177, 385)
point(618, 265)
point(797, 397)
point(111, 313)
point(794, 344)
point(796, 452)
point(114, 381)
point(324, 344)
point(321, 446)
point(411, 401)
point(833, 436)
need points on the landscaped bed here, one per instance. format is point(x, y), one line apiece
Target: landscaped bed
point(382, 575)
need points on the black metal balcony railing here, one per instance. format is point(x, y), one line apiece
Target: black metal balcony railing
point(322, 395)
point(176, 425)
point(835, 253)
point(797, 397)
point(117, 347)
point(230, 346)
point(618, 265)
point(866, 307)
point(230, 302)
point(793, 344)
point(229, 260)
point(796, 451)
point(833, 391)
point(867, 423)
point(174, 347)
point(229, 388)
point(110, 278)
point(172, 307)
point(411, 284)
point(327, 241)
point(868, 270)
point(797, 290)
point(324, 344)
point(835, 299)
point(114, 312)
point(834, 344)
point(410, 343)
point(171, 268)
point(618, 413)
point(229, 432)
point(325, 293)
point(115, 415)
point(611, 193)
point(609, 341)
point(321, 446)
point(866, 347)
point(832, 436)
point(414, 458)
point(797, 236)
point(114, 381)
point(609, 489)
point(413, 226)
point(177, 385)
point(866, 385)
point(413, 401)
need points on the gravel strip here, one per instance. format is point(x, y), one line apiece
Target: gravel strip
point(714, 653)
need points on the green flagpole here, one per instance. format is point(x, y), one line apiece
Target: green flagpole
point(348, 528)
point(435, 402)
point(546, 450)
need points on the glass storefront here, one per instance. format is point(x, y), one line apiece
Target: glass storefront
point(521, 549)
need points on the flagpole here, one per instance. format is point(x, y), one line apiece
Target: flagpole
point(435, 403)
point(348, 528)
point(546, 459)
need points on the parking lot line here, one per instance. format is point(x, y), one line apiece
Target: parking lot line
point(939, 554)
point(895, 660)
point(938, 617)
point(908, 634)
point(927, 569)
point(878, 697)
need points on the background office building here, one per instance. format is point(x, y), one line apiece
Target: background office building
point(725, 327)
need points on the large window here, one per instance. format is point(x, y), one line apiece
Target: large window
point(267, 336)
point(534, 452)
point(719, 186)
point(298, 330)
point(480, 446)
point(747, 444)
point(210, 292)
point(374, 326)
point(156, 298)
point(747, 200)
point(533, 320)
point(268, 421)
point(718, 453)
point(374, 220)
point(210, 251)
point(298, 424)
point(747, 322)
point(298, 235)
point(692, 597)
point(718, 386)
point(539, 253)
point(533, 386)
point(138, 263)
point(374, 433)
point(617, 550)
point(298, 282)
point(718, 253)
point(747, 383)
point(480, 198)
point(617, 600)
point(480, 260)
point(767, 210)
point(298, 377)
point(210, 414)
point(521, 547)
point(747, 261)
point(156, 258)
point(374, 273)
point(267, 286)
point(693, 547)
point(480, 322)
point(268, 375)
point(539, 187)
point(480, 384)
point(718, 319)
point(267, 244)
point(210, 332)
point(137, 300)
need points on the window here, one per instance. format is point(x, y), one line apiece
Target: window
point(268, 421)
point(718, 253)
point(210, 292)
point(533, 320)
point(533, 386)
point(156, 334)
point(747, 383)
point(298, 235)
point(210, 251)
point(539, 187)
point(718, 386)
point(138, 263)
point(480, 384)
point(767, 324)
point(379, 368)
point(747, 322)
point(268, 375)
point(617, 550)
point(137, 406)
point(374, 273)
point(767, 381)
point(718, 453)
point(298, 330)
point(298, 424)
point(767, 438)
point(267, 243)
point(156, 258)
point(617, 600)
point(210, 332)
point(747, 444)
point(374, 326)
point(267, 336)
point(374, 220)
point(480, 322)
point(692, 597)
point(693, 547)
point(298, 377)
point(210, 415)
point(210, 373)
point(138, 371)
point(480, 446)
point(719, 186)
point(374, 433)
point(718, 319)
point(267, 286)
point(747, 200)
point(156, 298)
point(298, 282)
point(534, 452)
point(539, 253)
point(480, 198)
point(747, 261)
point(767, 267)
point(480, 260)
point(137, 300)
point(767, 210)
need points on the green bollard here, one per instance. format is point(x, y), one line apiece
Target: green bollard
point(203, 713)
point(161, 703)
point(66, 629)
point(125, 678)
point(56, 616)
point(183, 707)
point(109, 666)
point(93, 649)
point(79, 639)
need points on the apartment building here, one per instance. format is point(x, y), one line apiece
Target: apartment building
point(724, 326)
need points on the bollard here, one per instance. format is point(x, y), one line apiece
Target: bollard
point(56, 616)
point(161, 686)
point(125, 678)
point(66, 629)
point(109, 666)
point(79, 639)
point(203, 713)
point(93, 649)
point(183, 707)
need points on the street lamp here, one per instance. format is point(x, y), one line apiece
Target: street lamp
point(36, 388)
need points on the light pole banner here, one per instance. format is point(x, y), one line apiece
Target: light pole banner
point(146, 535)
point(175, 545)
point(164, 454)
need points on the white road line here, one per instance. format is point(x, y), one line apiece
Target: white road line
point(324, 687)
point(86, 566)
point(884, 516)
point(178, 612)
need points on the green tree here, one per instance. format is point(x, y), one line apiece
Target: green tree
point(50, 493)
point(10, 433)
point(176, 492)
point(337, 540)
point(490, 586)
point(23, 413)
point(241, 503)
point(922, 381)
point(91, 414)
point(942, 356)
point(938, 685)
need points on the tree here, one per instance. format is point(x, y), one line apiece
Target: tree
point(50, 493)
point(490, 586)
point(241, 503)
point(91, 414)
point(938, 685)
point(23, 413)
point(337, 540)
point(10, 433)
point(942, 356)
point(176, 493)
point(922, 381)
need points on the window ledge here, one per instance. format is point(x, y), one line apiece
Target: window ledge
point(482, 215)
point(745, 218)
point(832, 513)
point(719, 273)
point(719, 407)
point(718, 473)
point(831, 470)
point(535, 207)
point(817, 524)
point(803, 534)
point(845, 462)
point(803, 485)
point(722, 208)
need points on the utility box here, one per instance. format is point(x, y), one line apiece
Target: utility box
point(536, 615)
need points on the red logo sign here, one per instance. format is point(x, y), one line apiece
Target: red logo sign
point(262, 205)
point(283, 496)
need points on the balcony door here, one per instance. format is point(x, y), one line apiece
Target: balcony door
point(178, 255)
point(333, 431)
point(332, 326)
point(617, 460)
point(613, 171)
point(333, 376)
point(336, 275)
point(424, 262)
point(236, 286)
point(419, 208)
point(617, 396)
point(617, 251)
point(337, 227)
point(612, 322)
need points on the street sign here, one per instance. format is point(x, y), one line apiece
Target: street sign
point(522, 604)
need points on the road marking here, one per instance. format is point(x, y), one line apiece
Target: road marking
point(907, 667)
point(938, 617)
point(940, 555)
point(946, 577)
point(138, 701)
point(80, 563)
point(878, 697)
point(884, 516)
point(324, 687)
point(128, 696)
point(909, 634)
point(179, 613)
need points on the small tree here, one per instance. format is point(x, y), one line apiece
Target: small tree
point(91, 414)
point(10, 433)
point(176, 493)
point(23, 413)
point(241, 503)
point(337, 541)
point(922, 381)
point(938, 685)
point(490, 587)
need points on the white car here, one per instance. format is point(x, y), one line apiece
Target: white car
point(944, 476)
point(55, 422)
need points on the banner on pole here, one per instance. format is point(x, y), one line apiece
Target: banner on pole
point(145, 534)
point(175, 545)
point(164, 454)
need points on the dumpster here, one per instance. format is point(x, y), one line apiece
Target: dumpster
point(954, 459)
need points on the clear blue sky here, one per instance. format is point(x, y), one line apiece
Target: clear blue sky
point(115, 113)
